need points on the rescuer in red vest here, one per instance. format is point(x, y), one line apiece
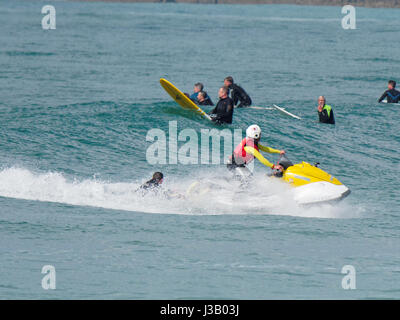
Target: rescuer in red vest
point(249, 149)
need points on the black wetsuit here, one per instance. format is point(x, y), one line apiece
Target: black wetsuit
point(239, 95)
point(392, 96)
point(207, 102)
point(326, 115)
point(223, 112)
point(151, 185)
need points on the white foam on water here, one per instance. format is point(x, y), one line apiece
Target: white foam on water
point(213, 194)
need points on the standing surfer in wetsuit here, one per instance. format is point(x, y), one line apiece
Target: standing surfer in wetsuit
point(223, 112)
point(325, 112)
point(249, 148)
point(237, 93)
point(391, 94)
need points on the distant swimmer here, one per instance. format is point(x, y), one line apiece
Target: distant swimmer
point(391, 94)
point(196, 89)
point(238, 94)
point(223, 112)
point(203, 99)
point(249, 148)
point(153, 184)
point(325, 111)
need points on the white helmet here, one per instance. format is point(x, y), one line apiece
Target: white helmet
point(254, 132)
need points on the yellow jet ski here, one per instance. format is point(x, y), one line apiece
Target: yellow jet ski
point(313, 185)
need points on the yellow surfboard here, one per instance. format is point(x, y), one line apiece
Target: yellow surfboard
point(181, 99)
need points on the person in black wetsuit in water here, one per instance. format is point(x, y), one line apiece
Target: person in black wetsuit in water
point(223, 112)
point(203, 99)
point(391, 94)
point(153, 187)
point(237, 93)
point(325, 111)
point(153, 184)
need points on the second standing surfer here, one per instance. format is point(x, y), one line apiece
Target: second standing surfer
point(238, 94)
point(223, 112)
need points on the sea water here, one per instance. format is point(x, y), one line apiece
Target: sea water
point(76, 105)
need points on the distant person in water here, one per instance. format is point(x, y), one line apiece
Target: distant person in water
point(153, 184)
point(325, 112)
point(203, 99)
point(391, 94)
point(223, 112)
point(239, 96)
point(196, 89)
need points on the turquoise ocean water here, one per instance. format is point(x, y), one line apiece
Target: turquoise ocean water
point(77, 102)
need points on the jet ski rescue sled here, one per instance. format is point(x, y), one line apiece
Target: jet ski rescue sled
point(312, 184)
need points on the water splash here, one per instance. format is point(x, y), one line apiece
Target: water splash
point(203, 193)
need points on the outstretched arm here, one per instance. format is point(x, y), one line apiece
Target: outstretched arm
point(383, 96)
point(268, 149)
point(259, 156)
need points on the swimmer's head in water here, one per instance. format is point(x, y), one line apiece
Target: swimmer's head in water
point(198, 87)
point(228, 81)
point(223, 92)
point(391, 84)
point(158, 177)
point(201, 96)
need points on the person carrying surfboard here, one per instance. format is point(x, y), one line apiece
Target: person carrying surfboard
point(391, 94)
point(223, 112)
point(238, 94)
point(325, 112)
point(249, 149)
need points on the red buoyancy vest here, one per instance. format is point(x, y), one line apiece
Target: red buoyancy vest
point(241, 156)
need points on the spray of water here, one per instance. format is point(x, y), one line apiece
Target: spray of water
point(202, 193)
